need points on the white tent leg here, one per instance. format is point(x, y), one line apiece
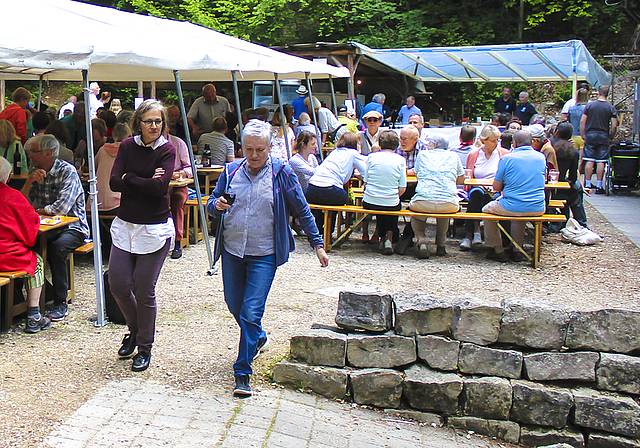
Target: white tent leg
point(285, 129)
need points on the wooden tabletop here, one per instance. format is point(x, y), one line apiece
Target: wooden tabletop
point(210, 169)
point(180, 183)
point(64, 221)
point(489, 183)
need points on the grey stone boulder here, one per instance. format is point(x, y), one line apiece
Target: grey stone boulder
point(601, 440)
point(320, 347)
point(550, 366)
point(474, 359)
point(607, 412)
point(557, 445)
point(487, 397)
point(475, 322)
point(421, 314)
point(528, 325)
point(327, 381)
point(619, 373)
point(500, 429)
point(438, 352)
point(377, 387)
point(429, 390)
point(423, 417)
point(539, 404)
point(604, 331)
point(365, 310)
point(535, 436)
point(383, 351)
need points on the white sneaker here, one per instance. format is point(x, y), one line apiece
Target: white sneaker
point(423, 251)
point(388, 248)
point(466, 244)
point(477, 239)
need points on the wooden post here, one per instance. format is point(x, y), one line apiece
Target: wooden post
point(153, 90)
point(140, 89)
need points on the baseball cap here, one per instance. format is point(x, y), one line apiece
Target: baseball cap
point(342, 108)
point(536, 130)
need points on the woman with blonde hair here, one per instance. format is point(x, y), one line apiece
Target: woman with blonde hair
point(278, 145)
point(116, 106)
point(9, 142)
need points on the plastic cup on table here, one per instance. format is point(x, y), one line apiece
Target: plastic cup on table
point(468, 173)
point(554, 175)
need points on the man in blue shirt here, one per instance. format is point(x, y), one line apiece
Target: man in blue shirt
point(376, 104)
point(298, 103)
point(408, 109)
point(520, 178)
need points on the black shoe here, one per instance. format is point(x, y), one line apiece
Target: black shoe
point(262, 343)
point(34, 325)
point(402, 245)
point(441, 251)
point(502, 257)
point(600, 191)
point(58, 313)
point(128, 346)
point(243, 388)
point(176, 253)
point(517, 257)
point(141, 362)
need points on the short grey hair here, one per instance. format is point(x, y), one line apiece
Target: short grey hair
point(526, 93)
point(5, 170)
point(45, 142)
point(304, 119)
point(439, 142)
point(379, 98)
point(522, 138)
point(258, 128)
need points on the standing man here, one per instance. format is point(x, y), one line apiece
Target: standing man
point(524, 109)
point(67, 108)
point(409, 109)
point(298, 103)
point(204, 110)
point(595, 130)
point(96, 101)
point(346, 118)
point(176, 125)
point(376, 104)
point(505, 104)
point(75, 124)
point(54, 188)
point(16, 113)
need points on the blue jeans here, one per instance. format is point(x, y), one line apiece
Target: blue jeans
point(247, 282)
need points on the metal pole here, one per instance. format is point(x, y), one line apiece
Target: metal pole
point(196, 184)
point(40, 93)
point(235, 91)
point(3, 93)
point(333, 96)
point(285, 126)
point(95, 217)
point(315, 118)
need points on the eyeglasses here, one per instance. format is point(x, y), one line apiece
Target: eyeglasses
point(152, 122)
point(373, 119)
point(405, 139)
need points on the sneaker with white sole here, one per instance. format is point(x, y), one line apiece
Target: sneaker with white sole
point(477, 239)
point(466, 244)
point(423, 252)
point(58, 313)
point(388, 248)
point(262, 343)
point(243, 386)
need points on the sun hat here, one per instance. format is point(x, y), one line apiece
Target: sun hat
point(373, 114)
point(302, 90)
point(536, 130)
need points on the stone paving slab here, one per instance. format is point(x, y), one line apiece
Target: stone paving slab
point(135, 413)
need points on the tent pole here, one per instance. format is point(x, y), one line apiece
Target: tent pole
point(95, 217)
point(40, 93)
point(333, 96)
point(3, 93)
point(315, 118)
point(284, 124)
point(235, 91)
point(153, 90)
point(141, 90)
point(196, 184)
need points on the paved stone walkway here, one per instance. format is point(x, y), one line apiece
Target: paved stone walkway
point(143, 414)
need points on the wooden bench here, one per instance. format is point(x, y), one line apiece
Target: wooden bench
point(82, 250)
point(192, 219)
point(9, 308)
point(328, 210)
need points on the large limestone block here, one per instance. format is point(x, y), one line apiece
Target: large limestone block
point(320, 347)
point(326, 381)
point(487, 397)
point(500, 429)
point(535, 436)
point(604, 331)
point(489, 361)
point(539, 404)
point(438, 352)
point(365, 310)
point(377, 387)
point(476, 322)
point(421, 314)
point(549, 366)
point(619, 373)
point(429, 390)
point(601, 440)
point(529, 325)
point(607, 412)
point(383, 351)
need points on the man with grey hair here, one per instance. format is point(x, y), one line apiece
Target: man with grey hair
point(376, 104)
point(95, 100)
point(409, 109)
point(524, 109)
point(54, 188)
point(520, 180)
point(201, 114)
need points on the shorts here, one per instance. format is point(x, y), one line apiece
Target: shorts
point(38, 278)
point(596, 147)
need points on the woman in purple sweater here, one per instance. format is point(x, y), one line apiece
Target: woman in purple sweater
point(143, 230)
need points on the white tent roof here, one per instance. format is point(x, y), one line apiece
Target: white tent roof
point(553, 61)
point(123, 46)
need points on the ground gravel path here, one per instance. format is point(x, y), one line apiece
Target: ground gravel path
point(44, 378)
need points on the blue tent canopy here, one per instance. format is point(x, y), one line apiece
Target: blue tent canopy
point(553, 61)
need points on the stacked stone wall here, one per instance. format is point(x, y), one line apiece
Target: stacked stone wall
point(523, 373)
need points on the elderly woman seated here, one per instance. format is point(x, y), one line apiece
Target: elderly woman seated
point(438, 172)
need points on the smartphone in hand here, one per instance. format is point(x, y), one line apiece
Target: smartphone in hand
point(229, 197)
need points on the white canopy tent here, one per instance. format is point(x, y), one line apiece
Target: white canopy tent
point(553, 61)
point(122, 46)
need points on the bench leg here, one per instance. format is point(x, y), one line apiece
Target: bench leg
point(537, 244)
point(71, 294)
point(187, 226)
point(327, 230)
point(516, 245)
point(7, 314)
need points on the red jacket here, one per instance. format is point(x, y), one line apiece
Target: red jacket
point(18, 118)
point(19, 225)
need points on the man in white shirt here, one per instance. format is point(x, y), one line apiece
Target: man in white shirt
point(95, 101)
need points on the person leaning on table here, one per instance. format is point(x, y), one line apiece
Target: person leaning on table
point(256, 237)
point(520, 178)
point(143, 229)
point(54, 188)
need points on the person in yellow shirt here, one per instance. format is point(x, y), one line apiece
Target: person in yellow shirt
point(349, 122)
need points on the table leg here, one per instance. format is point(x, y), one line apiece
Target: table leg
point(43, 254)
point(327, 229)
point(537, 244)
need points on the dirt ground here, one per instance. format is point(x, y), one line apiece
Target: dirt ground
point(46, 377)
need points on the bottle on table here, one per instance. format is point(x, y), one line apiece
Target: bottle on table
point(206, 157)
point(17, 161)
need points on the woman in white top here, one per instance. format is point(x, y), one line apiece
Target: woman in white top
point(326, 186)
point(384, 182)
point(483, 163)
point(304, 162)
point(279, 147)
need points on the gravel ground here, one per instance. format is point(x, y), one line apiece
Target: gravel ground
point(46, 377)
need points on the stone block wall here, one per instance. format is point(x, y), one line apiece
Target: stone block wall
point(523, 373)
